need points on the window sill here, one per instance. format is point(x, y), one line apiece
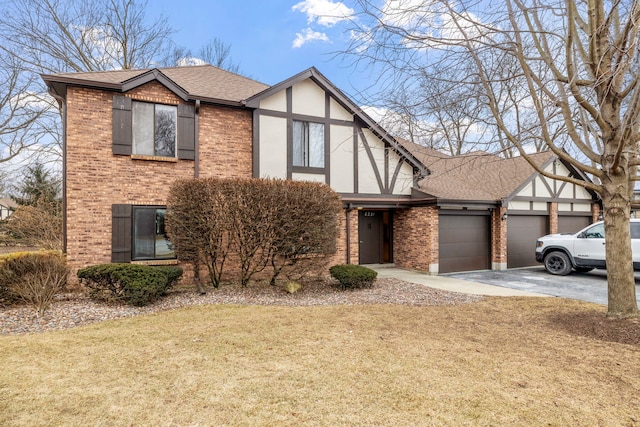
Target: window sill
point(305, 169)
point(154, 158)
point(156, 262)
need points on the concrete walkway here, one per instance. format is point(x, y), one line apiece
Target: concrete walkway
point(449, 283)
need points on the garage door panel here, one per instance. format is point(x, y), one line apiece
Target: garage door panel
point(464, 243)
point(572, 224)
point(522, 233)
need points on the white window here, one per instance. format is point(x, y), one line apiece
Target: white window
point(308, 144)
point(154, 129)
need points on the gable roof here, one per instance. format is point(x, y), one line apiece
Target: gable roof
point(476, 176)
point(324, 83)
point(202, 82)
point(8, 203)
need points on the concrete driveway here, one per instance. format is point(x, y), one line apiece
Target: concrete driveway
point(591, 287)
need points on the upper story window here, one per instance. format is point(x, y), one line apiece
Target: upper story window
point(154, 129)
point(308, 144)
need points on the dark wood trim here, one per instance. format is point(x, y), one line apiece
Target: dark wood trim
point(396, 172)
point(305, 117)
point(521, 212)
point(304, 169)
point(575, 213)
point(552, 199)
point(196, 141)
point(547, 184)
point(386, 170)
point(371, 159)
point(155, 75)
point(470, 212)
point(355, 160)
point(289, 97)
point(256, 143)
point(327, 138)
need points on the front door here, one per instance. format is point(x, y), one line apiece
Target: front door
point(371, 236)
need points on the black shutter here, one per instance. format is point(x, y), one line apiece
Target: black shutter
point(121, 233)
point(186, 132)
point(122, 126)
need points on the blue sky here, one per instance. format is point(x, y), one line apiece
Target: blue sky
point(261, 34)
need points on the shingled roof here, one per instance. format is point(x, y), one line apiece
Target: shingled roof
point(203, 82)
point(476, 176)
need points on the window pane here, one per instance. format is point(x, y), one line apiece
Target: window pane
point(595, 232)
point(299, 150)
point(149, 234)
point(316, 145)
point(165, 139)
point(163, 246)
point(144, 232)
point(142, 128)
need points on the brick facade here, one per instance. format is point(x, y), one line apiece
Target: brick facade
point(96, 178)
point(498, 239)
point(415, 238)
point(553, 217)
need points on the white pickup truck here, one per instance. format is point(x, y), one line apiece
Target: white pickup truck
point(582, 251)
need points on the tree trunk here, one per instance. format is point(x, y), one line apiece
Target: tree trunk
point(620, 275)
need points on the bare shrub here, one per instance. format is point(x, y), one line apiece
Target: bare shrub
point(34, 277)
point(289, 227)
point(38, 225)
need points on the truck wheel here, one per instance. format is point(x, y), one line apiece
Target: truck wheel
point(558, 263)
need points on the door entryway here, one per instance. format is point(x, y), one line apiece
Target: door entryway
point(375, 236)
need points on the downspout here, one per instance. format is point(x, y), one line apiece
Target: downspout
point(63, 109)
point(196, 169)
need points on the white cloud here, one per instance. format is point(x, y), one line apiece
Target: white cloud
point(190, 61)
point(430, 24)
point(308, 35)
point(325, 12)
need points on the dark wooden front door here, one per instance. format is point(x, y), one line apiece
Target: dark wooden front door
point(371, 237)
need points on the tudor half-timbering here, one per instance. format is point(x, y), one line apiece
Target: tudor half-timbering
point(491, 210)
point(306, 129)
point(130, 133)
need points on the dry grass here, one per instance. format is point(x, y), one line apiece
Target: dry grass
point(500, 361)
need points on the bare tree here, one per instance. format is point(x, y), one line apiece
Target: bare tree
point(21, 110)
point(53, 36)
point(563, 75)
point(217, 53)
point(214, 52)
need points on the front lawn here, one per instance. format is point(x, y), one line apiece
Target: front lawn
point(500, 361)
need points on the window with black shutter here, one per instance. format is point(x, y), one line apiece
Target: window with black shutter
point(155, 130)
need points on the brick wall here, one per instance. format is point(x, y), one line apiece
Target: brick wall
point(341, 256)
point(415, 238)
point(96, 178)
point(498, 239)
point(553, 217)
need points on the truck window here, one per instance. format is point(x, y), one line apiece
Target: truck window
point(595, 232)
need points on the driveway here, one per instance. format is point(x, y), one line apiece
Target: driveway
point(591, 287)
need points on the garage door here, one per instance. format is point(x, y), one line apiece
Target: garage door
point(572, 224)
point(522, 233)
point(465, 243)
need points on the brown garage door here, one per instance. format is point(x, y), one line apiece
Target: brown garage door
point(572, 224)
point(465, 243)
point(522, 233)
